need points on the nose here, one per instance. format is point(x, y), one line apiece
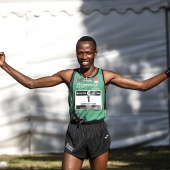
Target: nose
point(84, 56)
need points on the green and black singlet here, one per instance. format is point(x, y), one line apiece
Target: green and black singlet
point(87, 97)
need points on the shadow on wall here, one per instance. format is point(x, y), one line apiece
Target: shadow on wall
point(48, 121)
point(135, 48)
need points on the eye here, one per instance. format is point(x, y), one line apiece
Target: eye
point(89, 53)
point(79, 53)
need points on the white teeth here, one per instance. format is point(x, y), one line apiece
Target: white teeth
point(84, 62)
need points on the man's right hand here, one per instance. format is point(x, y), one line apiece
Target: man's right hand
point(2, 59)
point(167, 72)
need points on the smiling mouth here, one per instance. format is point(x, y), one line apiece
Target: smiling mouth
point(84, 62)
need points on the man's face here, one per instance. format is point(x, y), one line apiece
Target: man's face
point(85, 54)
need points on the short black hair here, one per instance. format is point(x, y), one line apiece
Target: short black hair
point(87, 38)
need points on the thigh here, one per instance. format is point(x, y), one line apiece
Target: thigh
point(100, 162)
point(71, 162)
point(98, 140)
point(75, 141)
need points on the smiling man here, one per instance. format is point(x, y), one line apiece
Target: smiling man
point(87, 135)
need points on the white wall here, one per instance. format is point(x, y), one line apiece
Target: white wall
point(132, 44)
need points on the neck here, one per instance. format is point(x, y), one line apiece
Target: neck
point(88, 73)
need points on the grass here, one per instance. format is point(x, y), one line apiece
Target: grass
point(140, 158)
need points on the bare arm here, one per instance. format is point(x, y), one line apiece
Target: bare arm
point(118, 80)
point(48, 81)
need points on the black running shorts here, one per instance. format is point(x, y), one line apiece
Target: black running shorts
point(88, 140)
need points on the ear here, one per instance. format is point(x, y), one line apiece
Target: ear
point(96, 52)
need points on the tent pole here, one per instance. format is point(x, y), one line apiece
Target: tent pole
point(167, 13)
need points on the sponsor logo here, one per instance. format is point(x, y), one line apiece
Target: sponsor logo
point(106, 136)
point(69, 147)
point(79, 79)
point(96, 80)
point(79, 85)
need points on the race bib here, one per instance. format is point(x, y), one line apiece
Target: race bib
point(88, 100)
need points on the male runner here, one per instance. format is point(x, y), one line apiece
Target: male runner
point(87, 135)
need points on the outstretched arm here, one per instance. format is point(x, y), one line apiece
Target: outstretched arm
point(48, 81)
point(118, 80)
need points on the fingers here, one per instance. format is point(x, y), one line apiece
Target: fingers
point(2, 54)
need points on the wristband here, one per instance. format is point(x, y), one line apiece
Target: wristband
point(167, 72)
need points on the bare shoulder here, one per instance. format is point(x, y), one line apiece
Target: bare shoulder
point(109, 75)
point(65, 75)
point(66, 72)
